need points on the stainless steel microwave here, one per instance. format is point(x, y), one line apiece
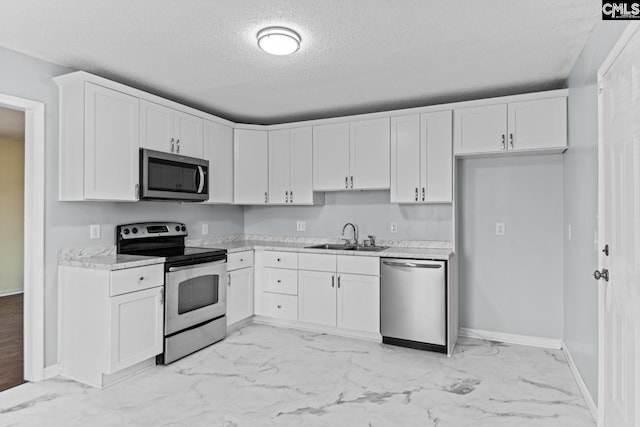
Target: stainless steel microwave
point(165, 176)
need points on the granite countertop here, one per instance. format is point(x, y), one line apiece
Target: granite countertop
point(111, 261)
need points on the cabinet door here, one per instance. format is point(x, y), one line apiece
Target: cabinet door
point(317, 297)
point(370, 154)
point(188, 133)
point(359, 302)
point(136, 327)
point(239, 295)
point(481, 129)
point(538, 124)
point(331, 157)
point(218, 150)
point(301, 167)
point(156, 127)
point(436, 146)
point(405, 159)
point(111, 144)
point(250, 172)
point(279, 166)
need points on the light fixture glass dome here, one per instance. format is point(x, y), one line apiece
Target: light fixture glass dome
point(278, 40)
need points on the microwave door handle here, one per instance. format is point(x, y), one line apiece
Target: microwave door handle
point(200, 179)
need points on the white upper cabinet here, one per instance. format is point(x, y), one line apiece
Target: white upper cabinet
point(171, 131)
point(369, 154)
point(290, 166)
point(537, 124)
point(422, 158)
point(351, 155)
point(251, 170)
point(218, 150)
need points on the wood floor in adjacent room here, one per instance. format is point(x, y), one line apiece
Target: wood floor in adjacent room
point(11, 341)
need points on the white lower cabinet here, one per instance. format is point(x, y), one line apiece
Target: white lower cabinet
point(279, 287)
point(340, 290)
point(111, 322)
point(240, 287)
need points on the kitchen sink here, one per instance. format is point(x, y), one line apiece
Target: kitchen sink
point(343, 247)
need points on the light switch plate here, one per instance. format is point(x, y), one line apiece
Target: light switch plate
point(499, 228)
point(94, 231)
point(301, 226)
point(394, 227)
point(205, 229)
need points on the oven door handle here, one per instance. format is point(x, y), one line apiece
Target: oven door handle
point(193, 266)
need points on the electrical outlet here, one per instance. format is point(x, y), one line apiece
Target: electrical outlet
point(499, 228)
point(205, 229)
point(301, 226)
point(94, 231)
point(394, 227)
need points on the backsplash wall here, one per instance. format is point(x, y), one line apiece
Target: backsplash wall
point(370, 211)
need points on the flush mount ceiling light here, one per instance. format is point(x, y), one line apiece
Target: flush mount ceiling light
point(278, 40)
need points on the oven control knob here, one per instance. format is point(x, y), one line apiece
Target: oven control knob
point(177, 228)
point(134, 230)
point(183, 228)
point(126, 231)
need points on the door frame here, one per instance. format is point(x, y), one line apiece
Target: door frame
point(34, 196)
point(604, 68)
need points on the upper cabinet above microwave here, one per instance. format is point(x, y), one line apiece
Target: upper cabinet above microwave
point(171, 131)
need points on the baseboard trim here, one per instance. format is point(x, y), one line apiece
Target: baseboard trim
point(542, 342)
point(51, 371)
point(310, 327)
point(593, 408)
point(11, 292)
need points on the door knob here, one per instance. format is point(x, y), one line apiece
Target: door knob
point(604, 274)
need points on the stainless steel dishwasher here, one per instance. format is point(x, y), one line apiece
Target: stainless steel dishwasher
point(413, 303)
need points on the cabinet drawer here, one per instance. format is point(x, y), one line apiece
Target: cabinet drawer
point(136, 279)
point(317, 262)
point(280, 259)
point(368, 265)
point(238, 260)
point(281, 281)
point(281, 306)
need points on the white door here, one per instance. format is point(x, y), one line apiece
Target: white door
point(619, 227)
point(301, 167)
point(405, 159)
point(359, 302)
point(537, 124)
point(317, 297)
point(239, 295)
point(480, 129)
point(136, 327)
point(331, 157)
point(156, 127)
point(279, 166)
point(218, 150)
point(436, 157)
point(111, 145)
point(188, 133)
point(370, 154)
point(250, 167)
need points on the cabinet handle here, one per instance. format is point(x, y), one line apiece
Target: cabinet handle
point(346, 182)
point(511, 140)
point(290, 196)
point(241, 259)
point(178, 146)
point(137, 190)
point(423, 194)
point(286, 197)
point(278, 259)
point(265, 197)
point(333, 281)
point(172, 144)
point(279, 281)
point(351, 181)
point(228, 280)
point(279, 306)
point(503, 145)
point(162, 297)
point(416, 194)
point(338, 282)
point(141, 278)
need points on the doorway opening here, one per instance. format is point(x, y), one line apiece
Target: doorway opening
point(12, 135)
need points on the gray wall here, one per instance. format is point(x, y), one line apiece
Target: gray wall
point(580, 205)
point(370, 211)
point(511, 283)
point(66, 223)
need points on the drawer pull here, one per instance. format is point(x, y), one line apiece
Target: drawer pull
point(279, 281)
point(241, 259)
point(279, 260)
point(279, 306)
point(141, 278)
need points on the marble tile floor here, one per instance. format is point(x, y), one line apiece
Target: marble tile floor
point(266, 376)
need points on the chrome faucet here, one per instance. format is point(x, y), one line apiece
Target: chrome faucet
point(355, 233)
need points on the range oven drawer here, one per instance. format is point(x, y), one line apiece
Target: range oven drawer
point(136, 279)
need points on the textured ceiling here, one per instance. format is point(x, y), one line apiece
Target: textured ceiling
point(11, 124)
point(356, 55)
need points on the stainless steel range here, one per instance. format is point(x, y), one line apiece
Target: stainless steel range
point(195, 293)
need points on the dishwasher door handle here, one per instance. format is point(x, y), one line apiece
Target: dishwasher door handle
point(411, 264)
